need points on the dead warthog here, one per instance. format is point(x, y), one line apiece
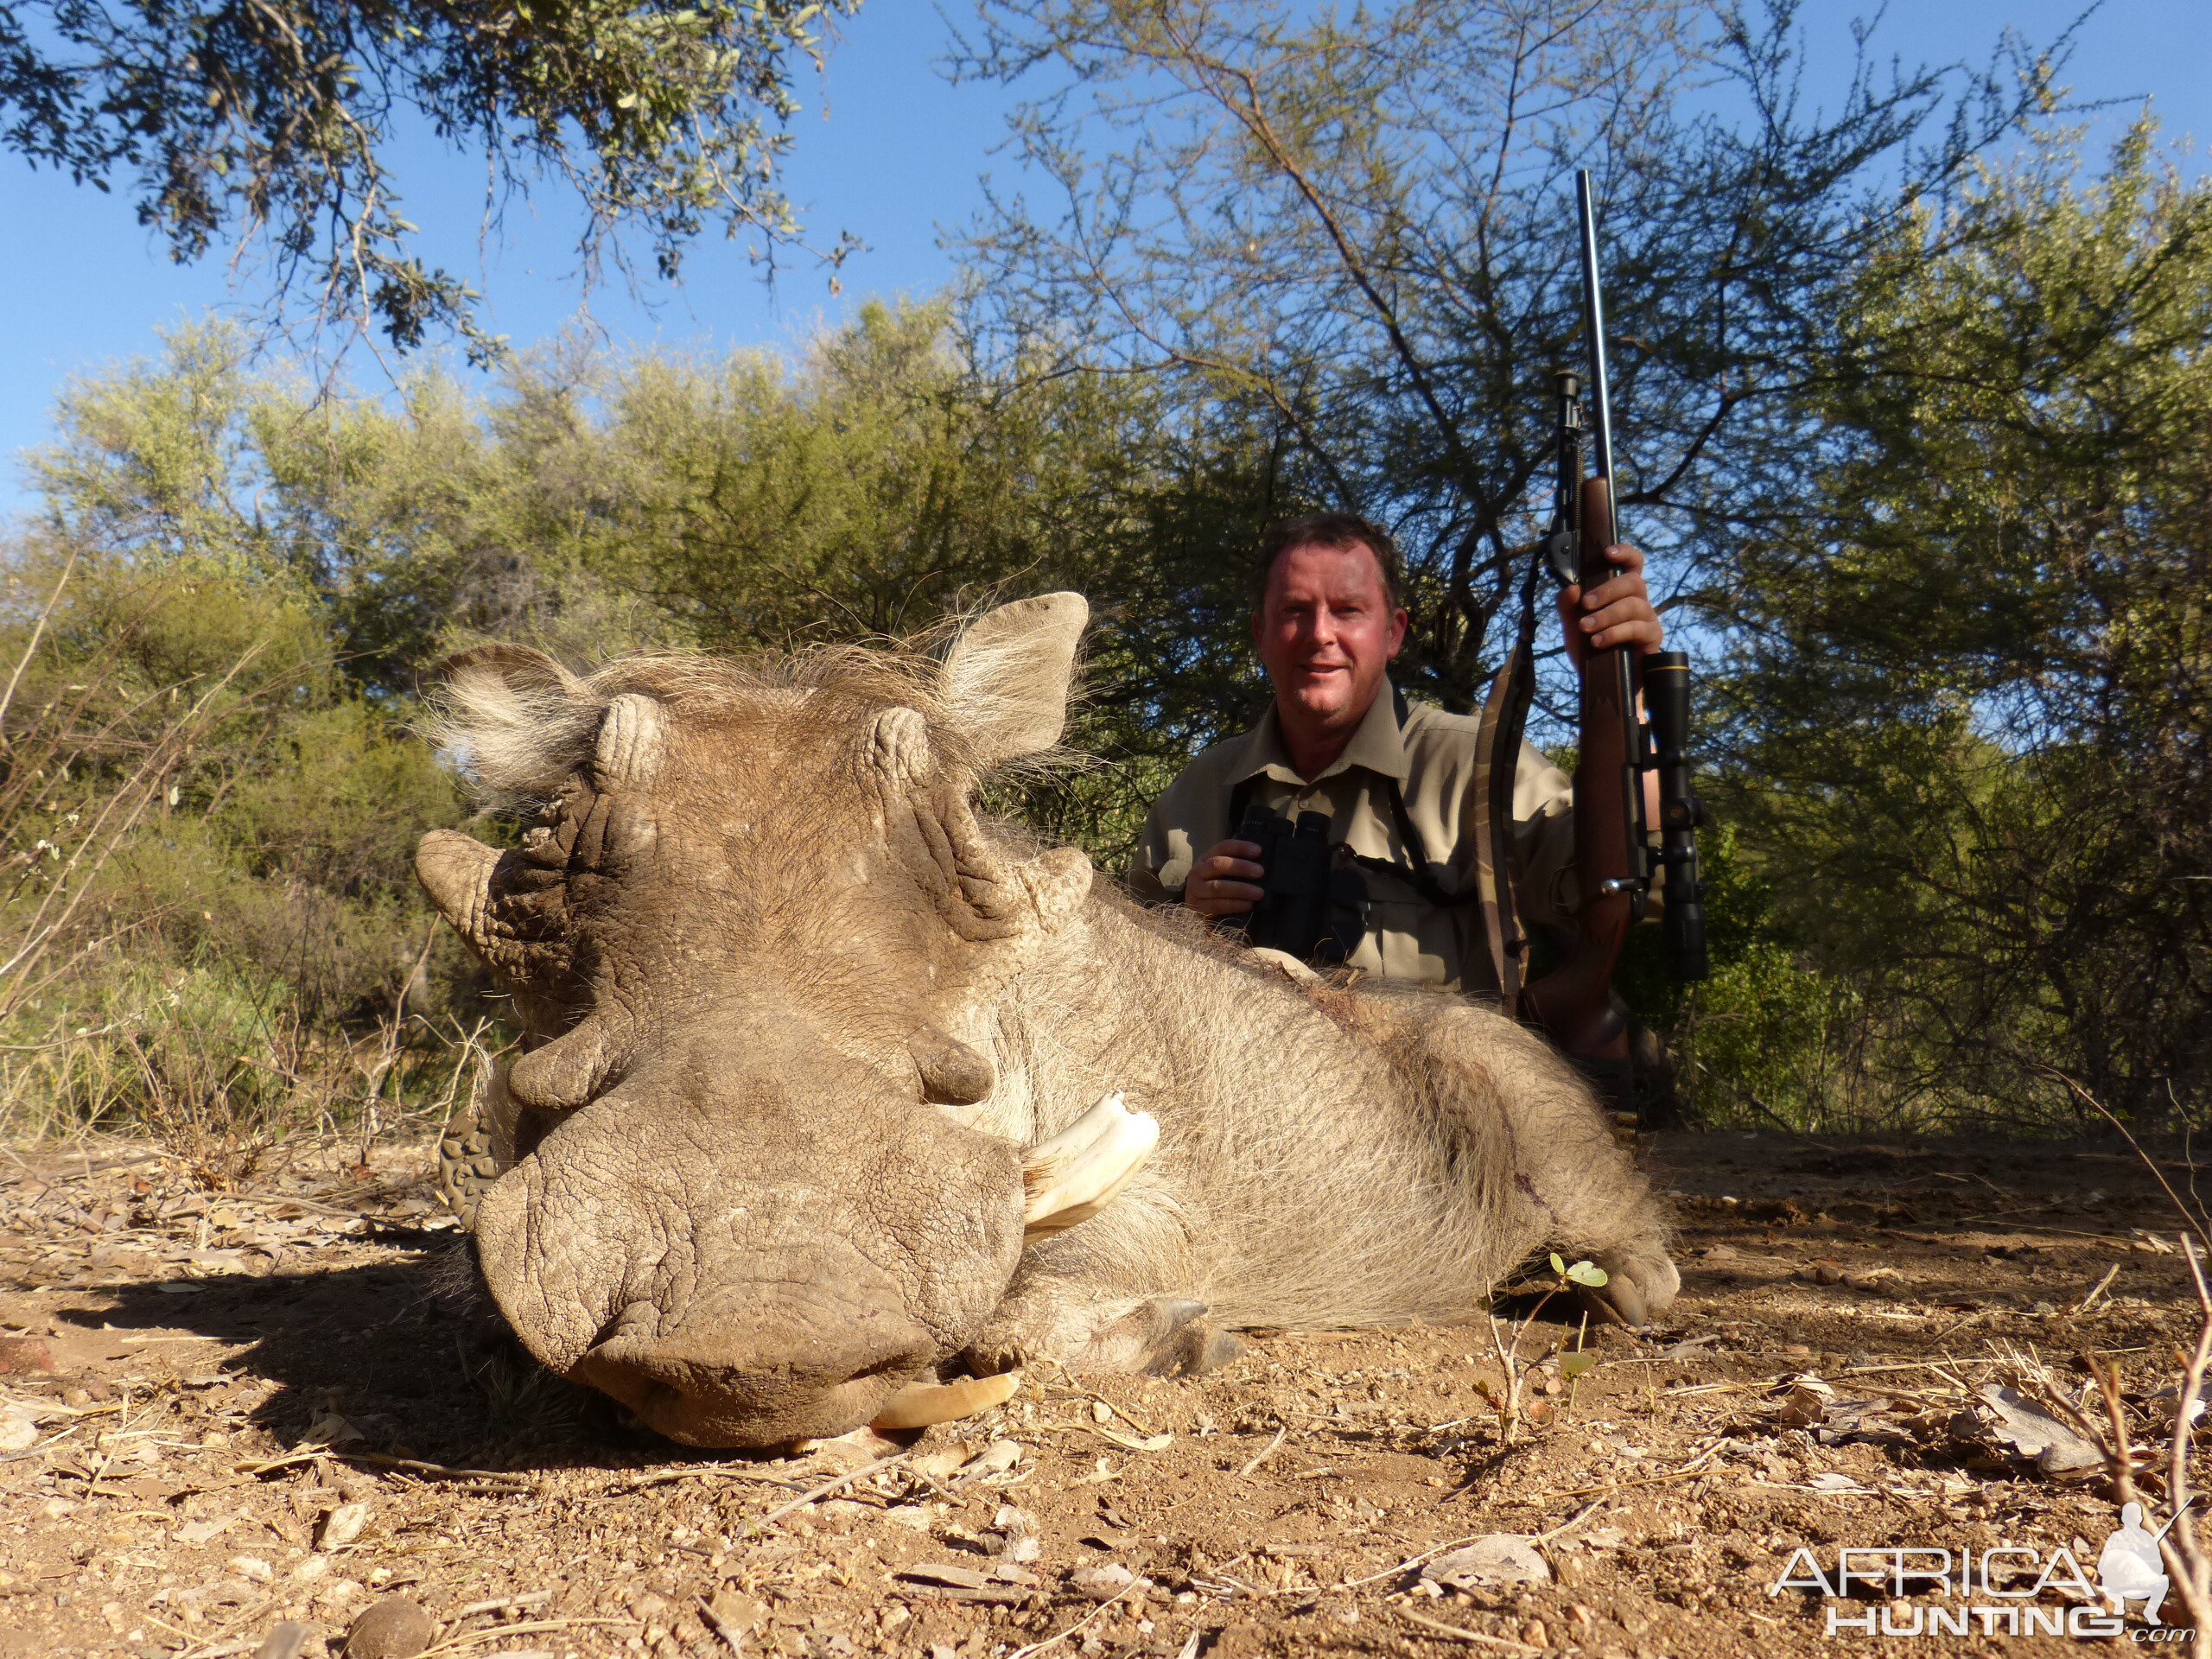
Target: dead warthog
point(831, 1085)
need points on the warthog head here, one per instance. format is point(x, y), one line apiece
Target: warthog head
point(755, 916)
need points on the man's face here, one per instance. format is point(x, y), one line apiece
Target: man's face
point(1326, 631)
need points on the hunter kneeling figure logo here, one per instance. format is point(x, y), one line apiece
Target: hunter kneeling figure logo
point(1926, 1590)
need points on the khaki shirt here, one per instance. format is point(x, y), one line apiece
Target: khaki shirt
point(1433, 758)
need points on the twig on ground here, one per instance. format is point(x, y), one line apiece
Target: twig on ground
point(2080, 1304)
point(615, 1485)
point(752, 1528)
point(1465, 1635)
point(1696, 1466)
point(1130, 1418)
point(2181, 1546)
point(526, 1627)
point(499, 1604)
point(1411, 1561)
point(1256, 1462)
point(1570, 1523)
point(2189, 1567)
point(442, 1472)
point(713, 1621)
point(1099, 1611)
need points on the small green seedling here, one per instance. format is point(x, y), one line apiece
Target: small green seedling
point(1588, 1275)
point(1582, 1273)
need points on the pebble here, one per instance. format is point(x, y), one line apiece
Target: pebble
point(394, 1628)
point(1501, 1558)
point(343, 1524)
point(995, 1458)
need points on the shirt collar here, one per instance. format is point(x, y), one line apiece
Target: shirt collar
point(1377, 745)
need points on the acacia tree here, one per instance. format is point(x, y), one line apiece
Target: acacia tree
point(1353, 241)
point(1970, 714)
point(268, 123)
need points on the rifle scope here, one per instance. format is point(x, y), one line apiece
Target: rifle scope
point(1666, 698)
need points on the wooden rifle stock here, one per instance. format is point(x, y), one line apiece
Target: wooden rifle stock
point(1573, 1003)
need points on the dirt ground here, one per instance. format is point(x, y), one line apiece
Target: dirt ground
point(225, 1410)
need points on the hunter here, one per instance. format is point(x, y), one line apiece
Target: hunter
point(1396, 777)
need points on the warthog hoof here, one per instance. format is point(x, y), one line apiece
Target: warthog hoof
point(1638, 1288)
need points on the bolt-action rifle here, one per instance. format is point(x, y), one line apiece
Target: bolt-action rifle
point(1615, 863)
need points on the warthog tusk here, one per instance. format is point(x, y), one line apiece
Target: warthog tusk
point(1077, 1173)
point(919, 1404)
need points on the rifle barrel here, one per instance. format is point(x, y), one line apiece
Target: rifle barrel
point(1594, 312)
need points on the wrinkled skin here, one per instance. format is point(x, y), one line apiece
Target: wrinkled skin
point(795, 1016)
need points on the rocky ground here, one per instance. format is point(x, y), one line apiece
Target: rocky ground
point(232, 1421)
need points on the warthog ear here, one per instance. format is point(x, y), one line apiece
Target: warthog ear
point(1006, 678)
point(517, 719)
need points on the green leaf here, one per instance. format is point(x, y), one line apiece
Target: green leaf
point(1573, 1365)
point(1558, 1266)
point(1585, 1273)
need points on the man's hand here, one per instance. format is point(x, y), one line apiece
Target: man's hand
point(1225, 882)
point(1617, 612)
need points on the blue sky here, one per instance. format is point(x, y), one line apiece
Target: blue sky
point(887, 150)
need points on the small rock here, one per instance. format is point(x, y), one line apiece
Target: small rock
point(1502, 1559)
point(394, 1628)
point(2034, 1434)
point(737, 1613)
point(994, 1459)
point(22, 1355)
point(1017, 1534)
point(940, 1464)
point(913, 1516)
point(1101, 1412)
point(1104, 1582)
point(960, 1578)
point(253, 1568)
point(18, 1429)
point(329, 1428)
point(343, 1525)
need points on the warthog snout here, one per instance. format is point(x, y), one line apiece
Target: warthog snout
point(741, 1261)
point(739, 1377)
